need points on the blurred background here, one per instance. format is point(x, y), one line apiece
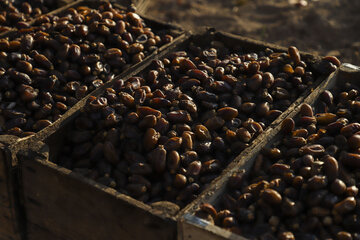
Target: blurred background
point(325, 27)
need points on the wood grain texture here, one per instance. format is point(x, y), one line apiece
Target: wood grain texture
point(141, 5)
point(9, 220)
point(191, 228)
point(63, 205)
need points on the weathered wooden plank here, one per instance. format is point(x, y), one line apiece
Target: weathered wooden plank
point(63, 205)
point(9, 218)
point(141, 5)
point(6, 224)
point(191, 227)
point(4, 194)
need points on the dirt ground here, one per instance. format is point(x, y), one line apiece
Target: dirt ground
point(325, 27)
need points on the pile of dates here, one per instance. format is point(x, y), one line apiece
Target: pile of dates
point(16, 13)
point(166, 134)
point(46, 69)
point(305, 187)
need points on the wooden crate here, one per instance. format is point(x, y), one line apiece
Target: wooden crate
point(11, 204)
point(192, 227)
point(62, 204)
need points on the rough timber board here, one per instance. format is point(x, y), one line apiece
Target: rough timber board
point(6, 225)
point(9, 215)
point(141, 5)
point(190, 226)
point(63, 205)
